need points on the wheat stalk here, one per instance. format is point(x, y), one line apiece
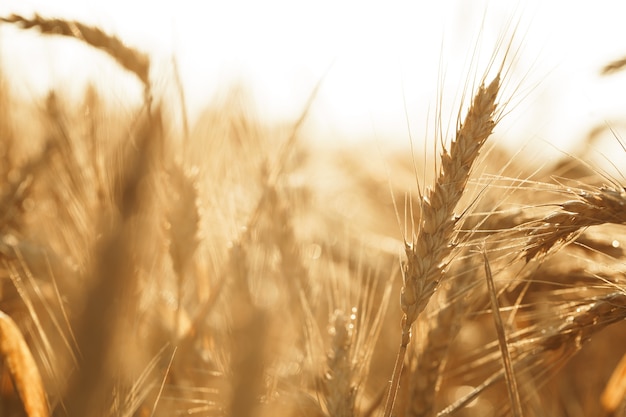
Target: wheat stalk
point(428, 252)
point(509, 374)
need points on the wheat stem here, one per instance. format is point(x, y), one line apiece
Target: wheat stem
point(509, 374)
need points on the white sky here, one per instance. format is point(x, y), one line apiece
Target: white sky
point(379, 55)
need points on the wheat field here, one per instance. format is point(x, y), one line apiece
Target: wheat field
point(231, 268)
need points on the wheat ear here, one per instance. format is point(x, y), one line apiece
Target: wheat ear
point(613, 66)
point(606, 205)
point(528, 346)
point(427, 254)
point(339, 381)
point(134, 61)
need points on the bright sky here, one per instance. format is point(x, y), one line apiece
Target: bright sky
point(381, 57)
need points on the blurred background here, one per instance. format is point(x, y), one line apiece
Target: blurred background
point(383, 64)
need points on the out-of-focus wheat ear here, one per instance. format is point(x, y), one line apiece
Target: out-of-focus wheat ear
point(183, 219)
point(614, 393)
point(22, 367)
point(604, 205)
point(18, 190)
point(509, 374)
point(129, 58)
point(92, 108)
point(294, 271)
point(340, 390)
point(427, 254)
point(613, 66)
point(249, 341)
point(112, 279)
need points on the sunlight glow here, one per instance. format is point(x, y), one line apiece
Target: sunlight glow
point(377, 59)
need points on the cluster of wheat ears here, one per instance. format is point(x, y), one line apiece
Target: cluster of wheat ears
point(232, 269)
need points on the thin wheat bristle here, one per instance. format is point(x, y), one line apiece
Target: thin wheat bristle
point(509, 373)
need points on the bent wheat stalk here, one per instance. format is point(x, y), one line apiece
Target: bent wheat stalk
point(131, 59)
point(428, 253)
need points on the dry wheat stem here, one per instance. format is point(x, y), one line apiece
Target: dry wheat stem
point(427, 254)
point(509, 374)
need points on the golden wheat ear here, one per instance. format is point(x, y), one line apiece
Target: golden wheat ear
point(428, 253)
point(22, 368)
point(590, 208)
